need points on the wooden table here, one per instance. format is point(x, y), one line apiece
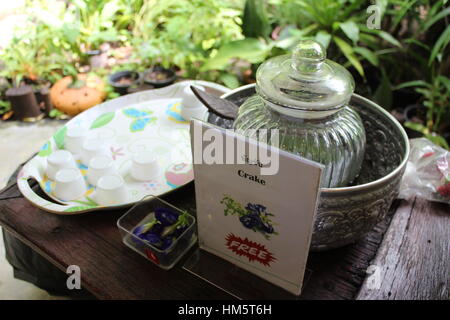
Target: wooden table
point(409, 252)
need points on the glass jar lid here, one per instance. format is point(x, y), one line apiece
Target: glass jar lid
point(305, 80)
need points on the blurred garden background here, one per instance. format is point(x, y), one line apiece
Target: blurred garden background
point(403, 63)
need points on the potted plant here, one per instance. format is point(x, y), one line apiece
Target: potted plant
point(159, 76)
point(32, 62)
point(121, 81)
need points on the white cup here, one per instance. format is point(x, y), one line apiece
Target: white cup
point(144, 166)
point(75, 137)
point(69, 184)
point(111, 190)
point(100, 166)
point(191, 106)
point(59, 159)
point(92, 148)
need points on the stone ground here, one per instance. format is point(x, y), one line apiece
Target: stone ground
point(18, 142)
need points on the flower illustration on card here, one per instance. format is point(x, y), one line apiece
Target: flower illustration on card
point(253, 216)
point(116, 152)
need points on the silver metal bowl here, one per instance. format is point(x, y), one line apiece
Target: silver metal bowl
point(348, 213)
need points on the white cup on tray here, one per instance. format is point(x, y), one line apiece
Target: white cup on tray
point(69, 184)
point(111, 190)
point(59, 159)
point(100, 166)
point(144, 166)
point(92, 148)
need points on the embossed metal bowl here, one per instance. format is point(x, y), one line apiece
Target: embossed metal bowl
point(346, 214)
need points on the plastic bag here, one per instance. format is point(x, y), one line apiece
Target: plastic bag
point(427, 173)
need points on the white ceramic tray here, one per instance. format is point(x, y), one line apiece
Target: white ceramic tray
point(143, 121)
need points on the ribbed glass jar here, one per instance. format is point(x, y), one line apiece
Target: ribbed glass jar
point(305, 96)
point(337, 140)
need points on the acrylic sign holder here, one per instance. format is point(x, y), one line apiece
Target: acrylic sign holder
point(235, 281)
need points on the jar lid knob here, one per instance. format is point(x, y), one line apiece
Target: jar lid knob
point(308, 56)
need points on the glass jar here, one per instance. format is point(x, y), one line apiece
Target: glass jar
point(305, 96)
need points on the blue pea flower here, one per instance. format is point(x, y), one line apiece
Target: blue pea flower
point(166, 243)
point(256, 208)
point(157, 229)
point(142, 228)
point(267, 228)
point(152, 238)
point(251, 220)
point(166, 216)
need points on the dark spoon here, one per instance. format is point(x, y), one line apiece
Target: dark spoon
point(221, 107)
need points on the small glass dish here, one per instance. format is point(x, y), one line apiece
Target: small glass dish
point(142, 215)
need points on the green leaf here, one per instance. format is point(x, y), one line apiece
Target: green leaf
point(71, 32)
point(60, 137)
point(400, 13)
point(255, 21)
point(437, 139)
point(351, 30)
point(103, 120)
point(436, 18)
point(418, 43)
point(290, 36)
point(323, 38)
point(386, 36)
point(382, 4)
point(249, 49)
point(415, 83)
point(109, 10)
point(347, 50)
point(79, 208)
point(230, 80)
point(383, 94)
point(368, 55)
point(441, 43)
point(416, 126)
point(46, 150)
point(445, 81)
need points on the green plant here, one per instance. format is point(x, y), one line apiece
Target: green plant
point(184, 33)
point(436, 97)
point(32, 56)
point(416, 23)
point(5, 106)
point(341, 27)
point(422, 29)
point(57, 114)
point(254, 48)
point(337, 25)
point(83, 25)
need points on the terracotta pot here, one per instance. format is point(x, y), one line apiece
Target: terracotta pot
point(73, 100)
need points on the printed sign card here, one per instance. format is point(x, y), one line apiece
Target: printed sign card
point(255, 204)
